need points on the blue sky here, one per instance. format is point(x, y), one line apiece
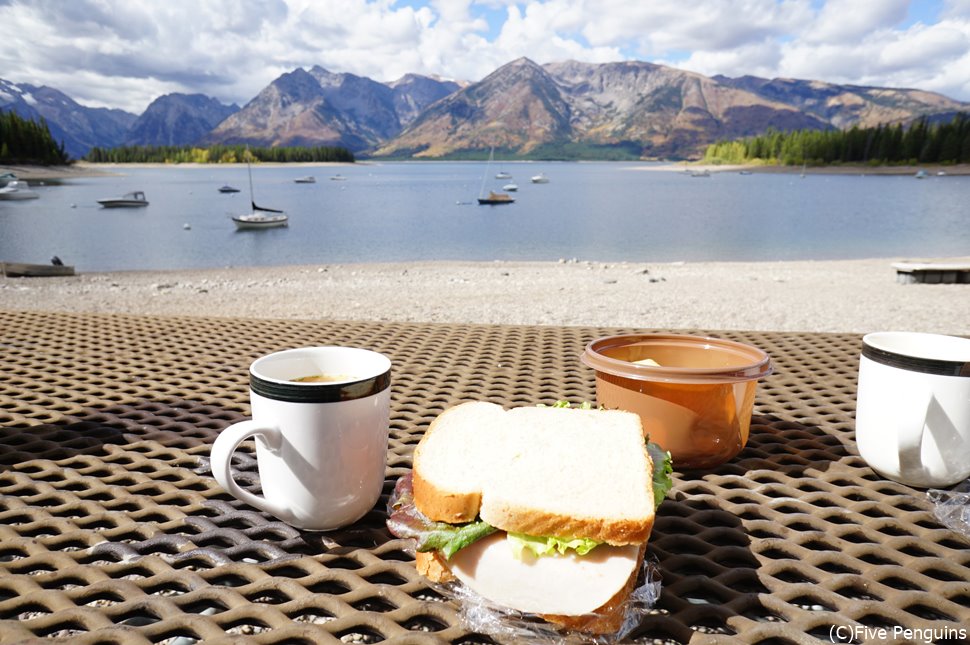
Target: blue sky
point(125, 53)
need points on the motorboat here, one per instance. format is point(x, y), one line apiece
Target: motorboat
point(228, 189)
point(133, 199)
point(17, 189)
point(6, 178)
point(700, 173)
point(306, 180)
point(338, 177)
point(540, 179)
point(503, 175)
point(922, 174)
point(258, 219)
point(510, 187)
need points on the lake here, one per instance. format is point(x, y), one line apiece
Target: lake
point(412, 211)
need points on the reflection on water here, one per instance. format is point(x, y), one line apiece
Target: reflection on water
point(427, 211)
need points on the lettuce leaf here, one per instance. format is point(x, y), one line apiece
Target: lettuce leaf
point(406, 521)
point(585, 405)
point(663, 468)
point(548, 545)
point(452, 538)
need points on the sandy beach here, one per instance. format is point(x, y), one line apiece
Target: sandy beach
point(831, 296)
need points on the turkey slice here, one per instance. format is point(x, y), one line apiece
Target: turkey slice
point(568, 585)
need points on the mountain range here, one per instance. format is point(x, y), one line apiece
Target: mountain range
point(628, 109)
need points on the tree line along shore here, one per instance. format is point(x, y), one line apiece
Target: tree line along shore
point(922, 142)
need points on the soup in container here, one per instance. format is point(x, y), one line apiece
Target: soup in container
point(694, 394)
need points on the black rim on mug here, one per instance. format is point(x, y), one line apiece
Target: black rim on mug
point(924, 365)
point(279, 388)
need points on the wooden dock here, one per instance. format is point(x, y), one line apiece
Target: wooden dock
point(942, 271)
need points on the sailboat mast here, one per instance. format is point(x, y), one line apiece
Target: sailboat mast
point(249, 168)
point(491, 152)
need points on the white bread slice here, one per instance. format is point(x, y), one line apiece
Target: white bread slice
point(453, 460)
point(540, 471)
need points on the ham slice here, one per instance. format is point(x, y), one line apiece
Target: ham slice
point(560, 584)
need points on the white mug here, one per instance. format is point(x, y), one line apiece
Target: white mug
point(321, 447)
point(913, 407)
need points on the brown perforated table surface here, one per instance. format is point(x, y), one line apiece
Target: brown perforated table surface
point(112, 529)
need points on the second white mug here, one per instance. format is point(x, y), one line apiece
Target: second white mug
point(913, 407)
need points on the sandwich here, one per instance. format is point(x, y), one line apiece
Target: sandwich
point(543, 510)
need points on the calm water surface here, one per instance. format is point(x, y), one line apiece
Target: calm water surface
point(427, 211)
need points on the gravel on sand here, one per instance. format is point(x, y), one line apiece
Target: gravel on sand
point(827, 296)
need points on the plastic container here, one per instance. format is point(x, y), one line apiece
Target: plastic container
point(696, 402)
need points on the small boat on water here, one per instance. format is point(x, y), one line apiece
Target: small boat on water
point(134, 199)
point(510, 187)
point(496, 198)
point(922, 174)
point(25, 270)
point(228, 189)
point(16, 190)
point(501, 174)
point(338, 177)
point(540, 179)
point(260, 219)
point(700, 173)
point(306, 180)
point(493, 198)
point(6, 178)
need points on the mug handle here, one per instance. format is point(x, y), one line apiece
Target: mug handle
point(221, 455)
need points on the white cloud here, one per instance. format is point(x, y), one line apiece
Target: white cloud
point(845, 21)
point(125, 53)
point(931, 57)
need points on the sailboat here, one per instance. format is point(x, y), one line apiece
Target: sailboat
point(260, 217)
point(492, 198)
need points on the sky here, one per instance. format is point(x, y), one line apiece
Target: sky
point(125, 53)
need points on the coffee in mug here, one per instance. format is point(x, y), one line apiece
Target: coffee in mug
point(913, 407)
point(320, 421)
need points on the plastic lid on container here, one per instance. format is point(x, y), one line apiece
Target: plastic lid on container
point(741, 362)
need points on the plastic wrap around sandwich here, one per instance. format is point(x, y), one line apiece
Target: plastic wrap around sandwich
point(545, 510)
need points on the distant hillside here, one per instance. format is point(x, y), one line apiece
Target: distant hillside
point(651, 110)
point(318, 107)
point(178, 119)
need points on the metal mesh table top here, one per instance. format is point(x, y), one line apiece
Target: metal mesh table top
point(112, 529)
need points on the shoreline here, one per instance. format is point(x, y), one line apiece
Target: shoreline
point(84, 169)
point(841, 169)
point(849, 296)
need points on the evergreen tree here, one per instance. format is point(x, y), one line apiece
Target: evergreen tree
point(29, 142)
